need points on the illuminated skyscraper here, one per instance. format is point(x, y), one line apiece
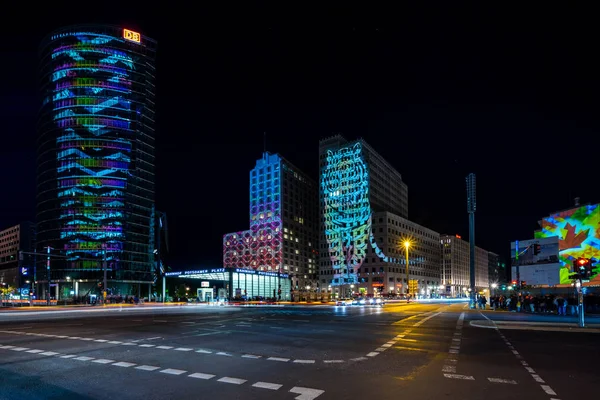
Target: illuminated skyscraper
point(355, 181)
point(282, 238)
point(95, 176)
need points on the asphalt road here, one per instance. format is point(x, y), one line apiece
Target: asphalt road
point(416, 351)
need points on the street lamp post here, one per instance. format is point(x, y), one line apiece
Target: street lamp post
point(406, 247)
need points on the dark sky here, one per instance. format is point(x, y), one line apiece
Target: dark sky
point(511, 95)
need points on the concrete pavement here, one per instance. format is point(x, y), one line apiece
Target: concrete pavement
point(417, 350)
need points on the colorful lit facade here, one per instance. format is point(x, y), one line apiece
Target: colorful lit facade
point(355, 182)
point(578, 232)
point(96, 152)
point(283, 225)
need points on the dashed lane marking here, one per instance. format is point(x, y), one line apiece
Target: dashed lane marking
point(333, 361)
point(147, 367)
point(457, 376)
point(199, 375)
point(250, 356)
point(267, 385)
point(304, 361)
point(536, 377)
point(278, 359)
point(234, 381)
point(500, 380)
point(103, 361)
point(172, 371)
point(123, 364)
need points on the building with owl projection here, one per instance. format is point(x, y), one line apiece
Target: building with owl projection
point(278, 254)
point(364, 210)
point(95, 171)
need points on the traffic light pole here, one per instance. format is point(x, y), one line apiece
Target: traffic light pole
point(580, 307)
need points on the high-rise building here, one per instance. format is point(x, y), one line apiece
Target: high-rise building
point(281, 243)
point(456, 267)
point(385, 273)
point(95, 174)
point(493, 268)
point(15, 270)
point(355, 182)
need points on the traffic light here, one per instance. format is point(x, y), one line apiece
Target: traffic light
point(537, 249)
point(582, 268)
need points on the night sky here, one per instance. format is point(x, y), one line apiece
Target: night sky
point(511, 95)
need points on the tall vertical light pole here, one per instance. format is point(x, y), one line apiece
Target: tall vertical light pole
point(471, 207)
point(406, 244)
point(48, 274)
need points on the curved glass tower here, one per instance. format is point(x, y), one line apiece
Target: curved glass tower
point(95, 177)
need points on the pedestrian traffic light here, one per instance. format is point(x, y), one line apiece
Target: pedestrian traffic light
point(537, 249)
point(583, 268)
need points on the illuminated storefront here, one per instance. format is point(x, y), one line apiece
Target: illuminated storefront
point(240, 282)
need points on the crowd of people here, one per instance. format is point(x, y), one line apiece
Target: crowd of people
point(541, 304)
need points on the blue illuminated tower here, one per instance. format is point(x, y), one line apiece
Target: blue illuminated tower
point(96, 132)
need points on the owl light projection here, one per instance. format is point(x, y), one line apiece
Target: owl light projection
point(345, 186)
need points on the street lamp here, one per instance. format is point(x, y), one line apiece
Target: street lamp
point(407, 243)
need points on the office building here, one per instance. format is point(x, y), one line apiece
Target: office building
point(15, 268)
point(385, 272)
point(278, 254)
point(355, 181)
point(456, 267)
point(95, 176)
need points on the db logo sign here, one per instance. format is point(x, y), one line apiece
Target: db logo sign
point(131, 35)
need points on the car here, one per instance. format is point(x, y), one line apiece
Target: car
point(343, 302)
point(359, 301)
point(377, 301)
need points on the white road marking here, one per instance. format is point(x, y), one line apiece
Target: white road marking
point(103, 361)
point(172, 371)
point(267, 385)
point(386, 345)
point(500, 380)
point(74, 337)
point(304, 361)
point(199, 375)
point(453, 351)
point(49, 353)
point(449, 368)
point(548, 390)
point(98, 340)
point(373, 354)
point(129, 344)
point(87, 339)
point(537, 378)
point(306, 393)
point(153, 338)
point(381, 349)
point(530, 370)
point(68, 356)
point(359, 359)
point(147, 345)
point(147, 367)
point(235, 381)
point(164, 347)
point(333, 361)
point(123, 364)
point(6, 347)
point(251, 356)
point(183, 349)
point(34, 351)
point(204, 351)
point(115, 342)
point(455, 376)
point(222, 353)
point(83, 358)
point(278, 359)
point(20, 348)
